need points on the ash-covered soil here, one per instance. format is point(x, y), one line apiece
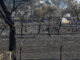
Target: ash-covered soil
point(44, 47)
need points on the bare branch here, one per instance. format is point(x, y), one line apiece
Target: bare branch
point(16, 6)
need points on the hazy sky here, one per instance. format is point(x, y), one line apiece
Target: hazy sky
point(77, 1)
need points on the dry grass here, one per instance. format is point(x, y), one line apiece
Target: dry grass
point(6, 56)
point(1, 56)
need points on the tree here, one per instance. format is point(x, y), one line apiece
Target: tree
point(50, 15)
point(7, 18)
point(45, 11)
point(39, 15)
point(75, 11)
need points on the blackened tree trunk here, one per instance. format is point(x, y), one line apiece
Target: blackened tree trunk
point(8, 20)
point(76, 13)
point(21, 38)
point(61, 47)
point(39, 28)
point(59, 27)
point(12, 40)
point(14, 3)
point(59, 19)
point(49, 26)
point(25, 28)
